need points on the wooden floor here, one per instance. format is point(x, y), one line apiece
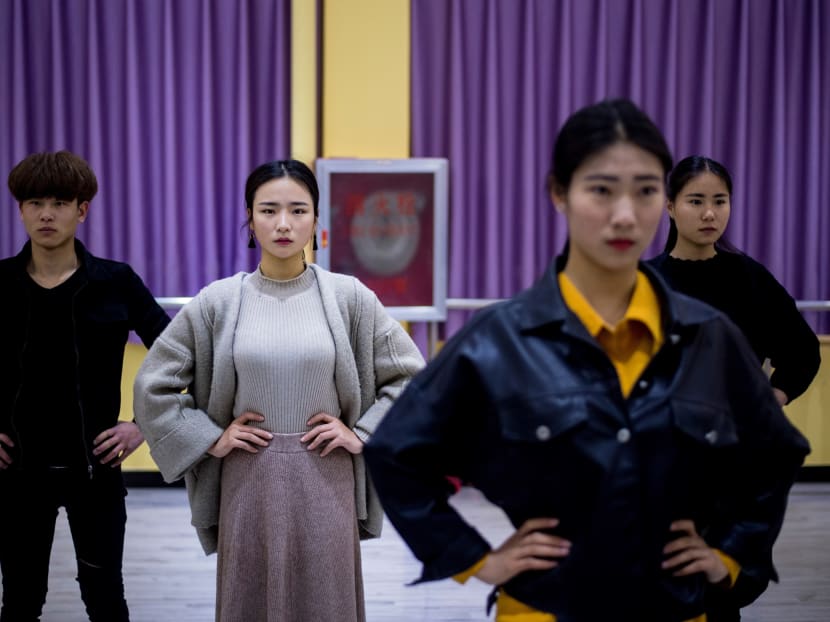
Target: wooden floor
point(168, 578)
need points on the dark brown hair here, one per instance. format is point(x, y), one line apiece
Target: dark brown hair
point(61, 174)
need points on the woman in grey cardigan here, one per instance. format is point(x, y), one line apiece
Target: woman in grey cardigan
point(261, 393)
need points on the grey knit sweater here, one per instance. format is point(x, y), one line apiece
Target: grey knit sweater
point(184, 390)
point(283, 353)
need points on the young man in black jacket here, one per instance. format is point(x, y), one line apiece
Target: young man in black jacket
point(64, 326)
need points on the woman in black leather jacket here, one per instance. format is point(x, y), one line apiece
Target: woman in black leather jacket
point(615, 422)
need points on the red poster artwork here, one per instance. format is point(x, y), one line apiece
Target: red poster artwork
point(382, 232)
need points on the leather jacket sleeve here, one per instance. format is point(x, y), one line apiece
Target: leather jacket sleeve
point(768, 456)
point(413, 450)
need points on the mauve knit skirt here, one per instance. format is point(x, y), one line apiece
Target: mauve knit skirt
point(289, 549)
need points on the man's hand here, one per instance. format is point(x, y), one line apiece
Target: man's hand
point(527, 549)
point(118, 442)
point(239, 435)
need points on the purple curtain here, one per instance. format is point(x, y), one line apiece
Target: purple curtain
point(744, 81)
point(173, 103)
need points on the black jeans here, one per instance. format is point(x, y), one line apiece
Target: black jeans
point(97, 516)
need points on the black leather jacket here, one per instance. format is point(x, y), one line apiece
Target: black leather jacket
point(111, 301)
point(525, 406)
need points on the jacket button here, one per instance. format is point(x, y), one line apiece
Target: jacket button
point(624, 435)
point(543, 432)
point(674, 338)
point(643, 384)
point(712, 436)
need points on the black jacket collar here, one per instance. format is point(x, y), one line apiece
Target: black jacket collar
point(542, 304)
point(95, 270)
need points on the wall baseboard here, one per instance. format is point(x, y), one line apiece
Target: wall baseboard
point(148, 479)
point(814, 473)
point(153, 479)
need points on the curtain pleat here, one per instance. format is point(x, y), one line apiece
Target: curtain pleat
point(746, 82)
point(173, 103)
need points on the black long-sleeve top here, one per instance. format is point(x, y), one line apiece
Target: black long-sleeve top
point(754, 300)
point(107, 300)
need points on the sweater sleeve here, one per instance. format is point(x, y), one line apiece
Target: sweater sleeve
point(414, 447)
point(792, 346)
point(178, 433)
point(396, 359)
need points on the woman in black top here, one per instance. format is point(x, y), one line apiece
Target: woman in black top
point(699, 262)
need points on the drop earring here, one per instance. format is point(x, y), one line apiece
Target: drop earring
point(251, 242)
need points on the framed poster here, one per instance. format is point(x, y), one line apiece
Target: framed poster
point(385, 222)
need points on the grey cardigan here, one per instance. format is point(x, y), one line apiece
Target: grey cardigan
point(184, 389)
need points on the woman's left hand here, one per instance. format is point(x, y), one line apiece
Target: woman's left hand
point(330, 433)
point(689, 554)
point(780, 396)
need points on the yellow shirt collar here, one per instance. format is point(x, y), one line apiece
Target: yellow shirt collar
point(644, 308)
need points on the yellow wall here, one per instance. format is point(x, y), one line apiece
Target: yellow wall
point(304, 80)
point(140, 460)
point(810, 412)
point(365, 96)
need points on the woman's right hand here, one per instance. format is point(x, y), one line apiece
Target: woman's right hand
point(527, 549)
point(689, 554)
point(238, 435)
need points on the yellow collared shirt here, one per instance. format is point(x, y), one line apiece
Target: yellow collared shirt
point(635, 339)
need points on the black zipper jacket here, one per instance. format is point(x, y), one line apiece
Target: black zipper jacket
point(525, 406)
point(111, 301)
